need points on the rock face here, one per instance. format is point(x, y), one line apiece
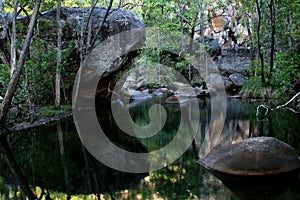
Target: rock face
point(74, 23)
point(75, 19)
point(237, 79)
point(234, 65)
point(253, 157)
point(213, 46)
point(100, 64)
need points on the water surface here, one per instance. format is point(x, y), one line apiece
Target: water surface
point(52, 158)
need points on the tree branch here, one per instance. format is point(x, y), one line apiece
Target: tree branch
point(268, 109)
point(102, 25)
point(287, 103)
point(15, 78)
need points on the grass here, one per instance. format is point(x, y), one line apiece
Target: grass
point(50, 111)
point(254, 89)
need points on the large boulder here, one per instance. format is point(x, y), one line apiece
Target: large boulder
point(214, 48)
point(255, 168)
point(238, 79)
point(73, 19)
point(253, 157)
point(74, 22)
point(231, 63)
point(121, 34)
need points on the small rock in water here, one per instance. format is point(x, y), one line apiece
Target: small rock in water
point(174, 100)
point(237, 79)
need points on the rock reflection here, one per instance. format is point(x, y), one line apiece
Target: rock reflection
point(240, 125)
point(260, 188)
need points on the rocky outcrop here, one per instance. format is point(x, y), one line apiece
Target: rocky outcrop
point(237, 79)
point(75, 25)
point(74, 20)
point(99, 64)
point(234, 65)
point(214, 48)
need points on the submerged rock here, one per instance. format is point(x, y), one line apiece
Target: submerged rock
point(253, 157)
point(238, 79)
point(176, 100)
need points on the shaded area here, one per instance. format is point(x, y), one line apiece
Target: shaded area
point(53, 158)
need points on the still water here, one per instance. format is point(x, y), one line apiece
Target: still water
point(54, 163)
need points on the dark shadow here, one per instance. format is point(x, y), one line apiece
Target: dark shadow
point(14, 167)
point(267, 187)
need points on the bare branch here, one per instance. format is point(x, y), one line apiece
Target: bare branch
point(287, 103)
point(268, 109)
point(15, 78)
point(102, 24)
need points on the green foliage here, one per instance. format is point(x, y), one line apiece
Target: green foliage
point(287, 70)
point(37, 81)
point(46, 5)
point(50, 111)
point(3, 189)
point(154, 71)
point(38, 77)
point(255, 89)
point(4, 78)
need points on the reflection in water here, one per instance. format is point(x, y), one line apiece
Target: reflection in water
point(63, 160)
point(264, 188)
point(53, 158)
point(14, 167)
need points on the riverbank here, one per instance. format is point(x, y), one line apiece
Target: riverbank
point(43, 116)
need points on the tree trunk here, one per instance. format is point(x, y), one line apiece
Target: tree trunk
point(101, 26)
point(58, 73)
point(90, 22)
point(4, 51)
point(272, 16)
point(15, 78)
point(13, 46)
point(261, 56)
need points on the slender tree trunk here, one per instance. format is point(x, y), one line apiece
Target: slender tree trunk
point(90, 22)
point(13, 52)
point(2, 20)
point(15, 78)
point(289, 25)
point(273, 23)
point(181, 8)
point(261, 56)
point(101, 26)
point(58, 73)
point(1, 11)
point(4, 52)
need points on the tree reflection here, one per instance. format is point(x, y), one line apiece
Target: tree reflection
point(14, 167)
point(55, 164)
